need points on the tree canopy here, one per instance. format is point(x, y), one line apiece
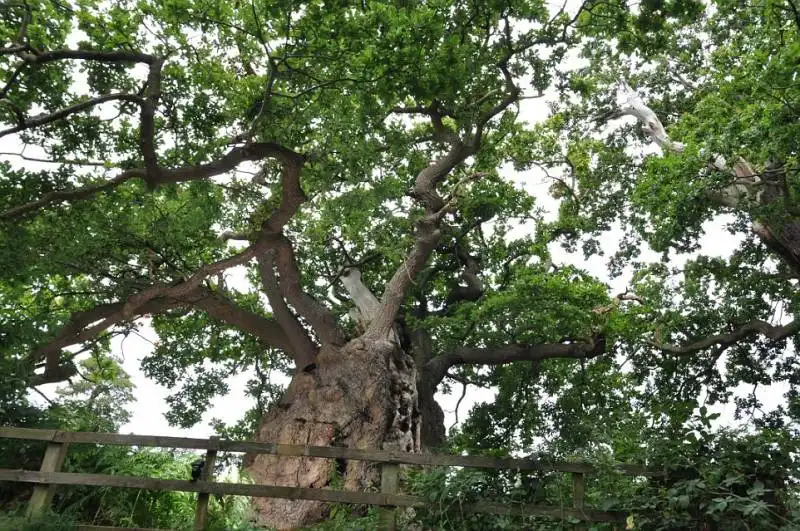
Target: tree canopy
point(358, 160)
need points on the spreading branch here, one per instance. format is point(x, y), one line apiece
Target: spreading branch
point(82, 326)
point(292, 162)
point(45, 119)
point(756, 326)
point(437, 368)
point(152, 173)
point(428, 233)
point(161, 297)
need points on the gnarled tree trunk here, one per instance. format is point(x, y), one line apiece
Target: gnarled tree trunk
point(362, 395)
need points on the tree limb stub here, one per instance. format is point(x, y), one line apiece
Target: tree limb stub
point(366, 303)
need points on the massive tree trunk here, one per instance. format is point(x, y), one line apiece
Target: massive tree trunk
point(362, 395)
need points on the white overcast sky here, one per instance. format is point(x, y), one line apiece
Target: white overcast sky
point(148, 411)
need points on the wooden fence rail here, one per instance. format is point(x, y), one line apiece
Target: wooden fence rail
point(49, 475)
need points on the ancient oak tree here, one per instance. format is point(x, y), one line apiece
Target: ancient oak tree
point(348, 163)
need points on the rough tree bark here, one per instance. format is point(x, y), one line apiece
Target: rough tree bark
point(361, 395)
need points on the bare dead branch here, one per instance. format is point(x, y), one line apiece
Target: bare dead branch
point(615, 302)
point(230, 235)
point(635, 106)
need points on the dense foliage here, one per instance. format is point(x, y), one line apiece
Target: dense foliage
point(142, 138)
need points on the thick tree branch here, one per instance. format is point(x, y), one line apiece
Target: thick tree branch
point(84, 326)
point(756, 326)
point(221, 308)
point(437, 368)
point(318, 316)
point(160, 297)
point(78, 330)
point(177, 291)
point(428, 232)
point(291, 192)
point(147, 128)
point(148, 104)
point(301, 347)
point(155, 299)
point(119, 56)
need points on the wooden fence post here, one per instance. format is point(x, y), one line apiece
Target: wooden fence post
point(578, 495)
point(43, 494)
point(389, 481)
point(201, 512)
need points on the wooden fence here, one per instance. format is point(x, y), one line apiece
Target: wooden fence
point(50, 475)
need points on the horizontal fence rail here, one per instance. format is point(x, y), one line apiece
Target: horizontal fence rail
point(49, 476)
point(329, 452)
